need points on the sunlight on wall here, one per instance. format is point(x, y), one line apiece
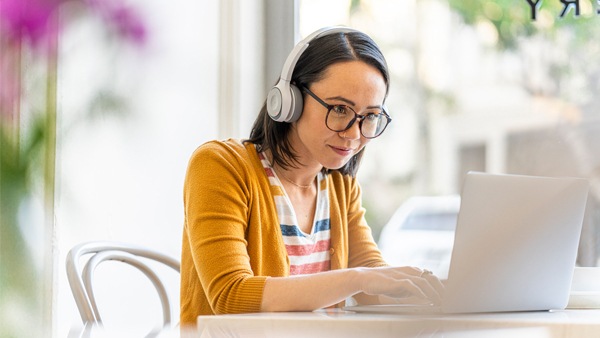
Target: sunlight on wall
point(316, 14)
point(121, 176)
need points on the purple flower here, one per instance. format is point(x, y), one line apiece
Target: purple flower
point(27, 20)
point(128, 24)
point(33, 24)
point(124, 19)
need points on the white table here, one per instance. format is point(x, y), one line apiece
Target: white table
point(337, 323)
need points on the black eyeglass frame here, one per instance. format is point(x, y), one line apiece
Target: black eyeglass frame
point(357, 116)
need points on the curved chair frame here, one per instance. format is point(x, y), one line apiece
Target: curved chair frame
point(81, 279)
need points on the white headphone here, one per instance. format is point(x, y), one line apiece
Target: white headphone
point(284, 102)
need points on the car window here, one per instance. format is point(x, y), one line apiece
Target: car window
point(439, 221)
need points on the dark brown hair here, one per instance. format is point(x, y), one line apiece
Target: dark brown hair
point(321, 53)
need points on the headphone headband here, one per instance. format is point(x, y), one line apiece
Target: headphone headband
point(284, 102)
point(292, 59)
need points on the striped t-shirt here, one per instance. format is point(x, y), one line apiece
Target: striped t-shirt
point(308, 253)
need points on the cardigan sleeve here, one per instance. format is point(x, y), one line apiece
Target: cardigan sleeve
point(362, 249)
point(216, 200)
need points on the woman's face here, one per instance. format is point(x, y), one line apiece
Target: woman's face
point(352, 83)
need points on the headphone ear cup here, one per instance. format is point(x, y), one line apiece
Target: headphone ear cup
point(296, 104)
point(274, 103)
point(284, 103)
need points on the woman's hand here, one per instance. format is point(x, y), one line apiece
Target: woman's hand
point(401, 285)
point(367, 285)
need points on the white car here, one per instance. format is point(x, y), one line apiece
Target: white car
point(421, 233)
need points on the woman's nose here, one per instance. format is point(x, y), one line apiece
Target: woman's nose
point(353, 132)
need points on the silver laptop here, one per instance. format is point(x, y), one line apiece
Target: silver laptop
point(515, 245)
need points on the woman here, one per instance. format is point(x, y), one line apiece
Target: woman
point(275, 223)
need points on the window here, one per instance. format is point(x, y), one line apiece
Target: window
point(479, 85)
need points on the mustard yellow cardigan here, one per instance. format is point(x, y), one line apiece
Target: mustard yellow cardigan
point(232, 240)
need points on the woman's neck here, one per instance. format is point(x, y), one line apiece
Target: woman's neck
point(299, 178)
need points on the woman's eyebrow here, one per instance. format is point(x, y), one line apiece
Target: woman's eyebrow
point(350, 102)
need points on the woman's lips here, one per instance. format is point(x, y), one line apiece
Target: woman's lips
point(341, 150)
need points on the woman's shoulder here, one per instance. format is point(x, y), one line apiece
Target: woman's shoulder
point(230, 145)
point(221, 156)
point(224, 149)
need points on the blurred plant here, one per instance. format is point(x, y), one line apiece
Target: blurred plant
point(558, 42)
point(30, 31)
point(558, 49)
point(513, 19)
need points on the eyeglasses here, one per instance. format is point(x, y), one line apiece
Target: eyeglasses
point(341, 117)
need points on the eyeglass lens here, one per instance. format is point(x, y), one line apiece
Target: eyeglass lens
point(340, 118)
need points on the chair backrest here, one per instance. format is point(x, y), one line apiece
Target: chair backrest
point(80, 275)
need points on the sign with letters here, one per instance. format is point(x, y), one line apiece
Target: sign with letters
point(567, 6)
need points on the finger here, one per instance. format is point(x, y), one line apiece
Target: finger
point(413, 281)
point(425, 272)
point(426, 284)
point(423, 283)
point(436, 283)
point(404, 271)
point(409, 287)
